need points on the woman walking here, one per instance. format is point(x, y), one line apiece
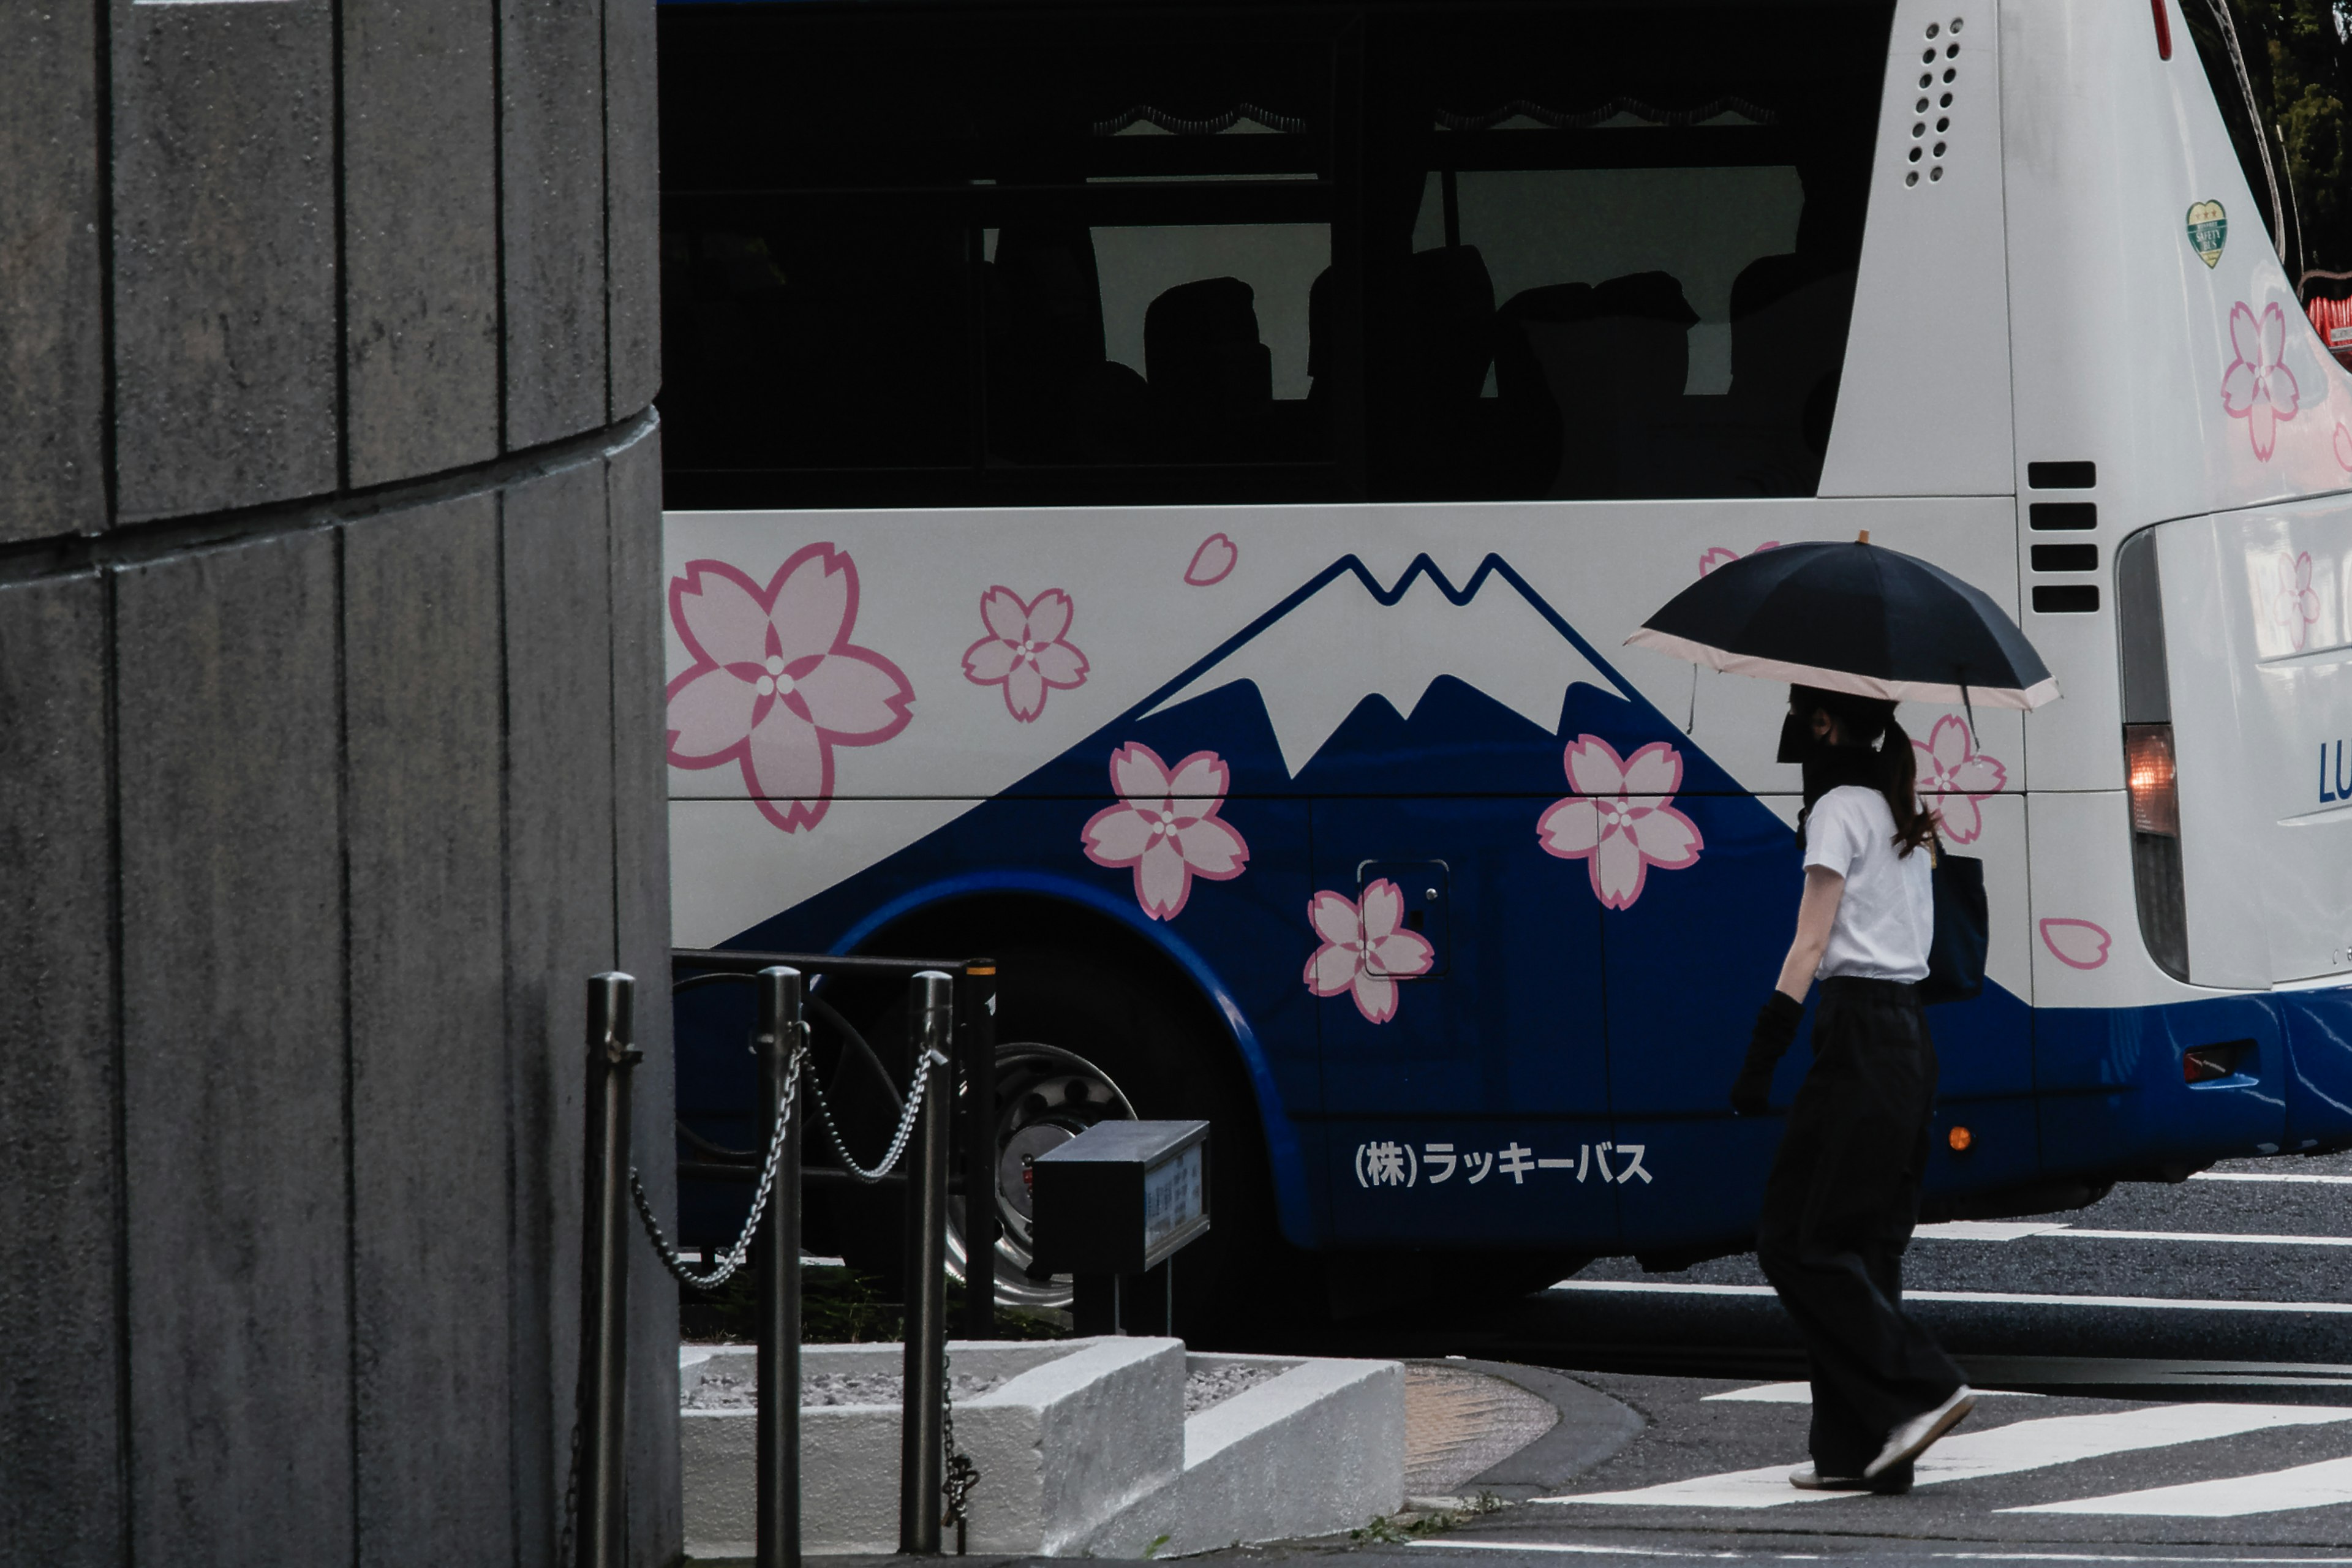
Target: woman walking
point(1844, 1193)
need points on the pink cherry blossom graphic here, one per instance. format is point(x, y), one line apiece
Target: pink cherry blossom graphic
point(2295, 605)
point(2078, 944)
point(2257, 388)
point(2343, 448)
point(1620, 820)
point(776, 683)
point(1212, 562)
point(1025, 651)
point(1954, 776)
point(1364, 952)
point(1163, 830)
point(1719, 557)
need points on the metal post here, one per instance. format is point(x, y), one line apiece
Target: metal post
point(977, 1004)
point(921, 1463)
point(779, 1252)
point(604, 1398)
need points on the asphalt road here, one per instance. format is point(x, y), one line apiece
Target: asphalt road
point(2152, 1275)
point(2175, 1366)
point(2137, 1294)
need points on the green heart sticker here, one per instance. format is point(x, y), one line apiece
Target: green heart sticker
point(2209, 230)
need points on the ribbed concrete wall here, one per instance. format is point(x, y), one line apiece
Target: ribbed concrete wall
point(329, 768)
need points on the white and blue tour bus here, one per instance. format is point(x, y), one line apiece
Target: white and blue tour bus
point(1158, 494)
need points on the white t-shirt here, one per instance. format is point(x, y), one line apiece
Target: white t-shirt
point(1887, 918)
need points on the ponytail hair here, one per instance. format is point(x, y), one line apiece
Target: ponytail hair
point(1915, 824)
point(1893, 768)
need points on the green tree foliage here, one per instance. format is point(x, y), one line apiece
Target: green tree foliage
point(2298, 59)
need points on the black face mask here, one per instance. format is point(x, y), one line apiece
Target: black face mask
point(1826, 766)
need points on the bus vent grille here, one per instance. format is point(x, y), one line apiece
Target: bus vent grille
point(1939, 75)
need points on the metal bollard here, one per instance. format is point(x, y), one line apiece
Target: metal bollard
point(778, 1252)
point(977, 1036)
point(921, 1465)
point(603, 1397)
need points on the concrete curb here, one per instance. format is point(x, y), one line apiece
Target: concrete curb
point(1592, 1428)
point(1084, 1449)
point(1317, 1449)
point(1080, 1430)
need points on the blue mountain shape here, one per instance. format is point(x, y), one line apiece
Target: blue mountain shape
point(1422, 686)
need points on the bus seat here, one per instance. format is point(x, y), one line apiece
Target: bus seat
point(1112, 415)
point(1319, 306)
point(1045, 336)
point(1202, 358)
point(1519, 377)
point(1788, 321)
point(1052, 291)
point(1643, 337)
point(1612, 373)
point(1443, 429)
point(1528, 420)
point(1452, 339)
point(1785, 316)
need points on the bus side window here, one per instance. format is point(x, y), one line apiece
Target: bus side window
point(1671, 224)
point(2294, 75)
point(1170, 343)
point(974, 255)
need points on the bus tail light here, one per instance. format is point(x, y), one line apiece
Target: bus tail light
point(2163, 31)
point(2151, 781)
point(2148, 775)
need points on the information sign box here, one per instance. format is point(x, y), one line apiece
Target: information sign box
point(1120, 1197)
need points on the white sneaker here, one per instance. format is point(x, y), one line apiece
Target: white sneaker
point(1809, 1478)
point(1913, 1437)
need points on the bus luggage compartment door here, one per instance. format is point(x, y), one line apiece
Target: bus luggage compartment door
point(1462, 1098)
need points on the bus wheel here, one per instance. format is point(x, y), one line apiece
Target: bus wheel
point(1046, 1096)
point(1092, 1024)
point(1113, 1002)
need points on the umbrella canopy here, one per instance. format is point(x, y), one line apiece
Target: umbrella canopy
point(1853, 617)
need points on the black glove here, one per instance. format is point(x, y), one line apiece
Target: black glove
point(1776, 1028)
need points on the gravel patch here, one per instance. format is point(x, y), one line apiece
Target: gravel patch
point(733, 1391)
point(1214, 1385)
point(718, 1390)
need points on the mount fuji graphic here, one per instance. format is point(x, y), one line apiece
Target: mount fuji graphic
point(1317, 656)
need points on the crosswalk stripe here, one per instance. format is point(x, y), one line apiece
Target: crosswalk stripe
point(1802, 1393)
point(1594, 1548)
point(2032, 1445)
point(1987, 1229)
point(2322, 1485)
point(1569, 1548)
point(2006, 1230)
point(1984, 1297)
point(2265, 1177)
point(2118, 1557)
point(2235, 1239)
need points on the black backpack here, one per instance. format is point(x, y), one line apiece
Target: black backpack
point(1955, 956)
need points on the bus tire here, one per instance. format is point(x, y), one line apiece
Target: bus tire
point(1103, 998)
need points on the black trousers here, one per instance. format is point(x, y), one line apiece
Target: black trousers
point(1838, 1213)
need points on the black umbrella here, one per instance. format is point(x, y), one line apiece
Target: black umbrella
point(1853, 617)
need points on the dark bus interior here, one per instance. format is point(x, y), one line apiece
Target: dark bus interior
point(966, 255)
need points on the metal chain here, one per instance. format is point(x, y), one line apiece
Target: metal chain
point(564, 1543)
point(961, 1473)
point(898, 1140)
point(734, 1256)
